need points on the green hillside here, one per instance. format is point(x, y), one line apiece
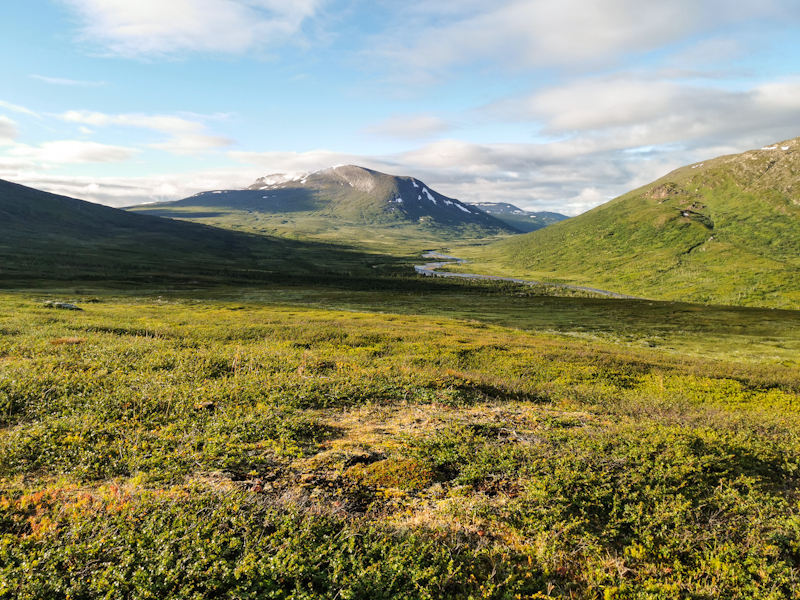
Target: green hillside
point(725, 231)
point(345, 204)
point(48, 238)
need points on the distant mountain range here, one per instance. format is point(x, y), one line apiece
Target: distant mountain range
point(724, 230)
point(343, 203)
point(523, 220)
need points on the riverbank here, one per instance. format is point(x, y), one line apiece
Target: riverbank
point(429, 270)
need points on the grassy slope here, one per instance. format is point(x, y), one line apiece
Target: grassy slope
point(45, 237)
point(198, 448)
point(738, 244)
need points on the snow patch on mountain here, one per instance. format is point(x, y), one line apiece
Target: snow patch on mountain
point(278, 178)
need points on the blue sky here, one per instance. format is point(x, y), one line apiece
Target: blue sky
point(551, 105)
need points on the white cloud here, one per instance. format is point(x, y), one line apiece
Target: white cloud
point(72, 82)
point(17, 108)
point(630, 111)
point(571, 33)
point(281, 162)
point(11, 168)
point(153, 27)
point(158, 122)
point(185, 136)
point(192, 143)
point(73, 151)
point(410, 126)
point(128, 191)
point(568, 177)
point(166, 190)
point(587, 198)
point(536, 176)
point(8, 131)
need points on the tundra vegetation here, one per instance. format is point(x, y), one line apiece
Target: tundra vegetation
point(292, 442)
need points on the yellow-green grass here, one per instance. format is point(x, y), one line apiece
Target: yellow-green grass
point(194, 448)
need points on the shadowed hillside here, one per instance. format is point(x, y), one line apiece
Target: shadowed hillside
point(47, 237)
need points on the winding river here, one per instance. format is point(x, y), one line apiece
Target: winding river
point(429, 269)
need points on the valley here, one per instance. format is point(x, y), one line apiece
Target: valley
point(432, 270)
point(722, 231)
point(336, 300)
point(271, 389)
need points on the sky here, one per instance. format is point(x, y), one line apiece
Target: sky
point(554, 105)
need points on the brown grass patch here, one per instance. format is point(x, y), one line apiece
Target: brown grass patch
point(67, 341)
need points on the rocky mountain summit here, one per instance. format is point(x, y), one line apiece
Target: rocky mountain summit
point(344, 204)
point(348, 191)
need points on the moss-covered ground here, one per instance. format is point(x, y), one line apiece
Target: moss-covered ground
point(296, 443)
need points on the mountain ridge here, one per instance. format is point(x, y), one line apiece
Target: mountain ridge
point(523, 220)
point(341, 202)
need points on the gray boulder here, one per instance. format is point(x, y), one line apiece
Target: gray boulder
point(61, 305)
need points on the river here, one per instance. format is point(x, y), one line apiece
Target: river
point(429, 270)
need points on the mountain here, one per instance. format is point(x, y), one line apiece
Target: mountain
point(47, 237)
point(523, 220)
point(344, 204)
point(725, 230)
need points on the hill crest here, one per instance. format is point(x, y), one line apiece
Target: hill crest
point(725, 230)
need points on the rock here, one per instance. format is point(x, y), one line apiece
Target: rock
point(663, 192)
point(61, 305)
point(364, 459)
